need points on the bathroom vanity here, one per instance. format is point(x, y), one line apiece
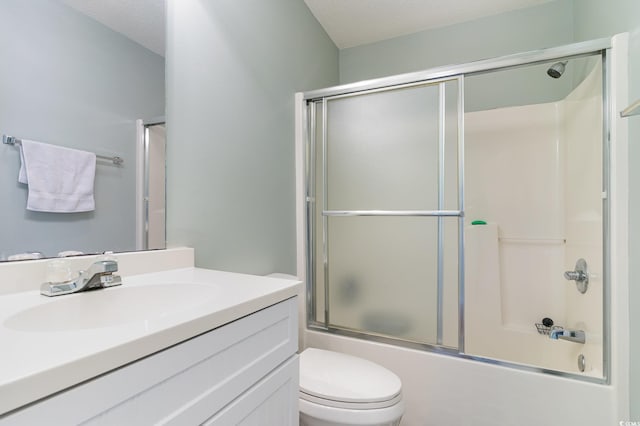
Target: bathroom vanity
point(185, 346)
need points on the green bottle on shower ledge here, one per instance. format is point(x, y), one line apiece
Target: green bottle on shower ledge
point(478, 222)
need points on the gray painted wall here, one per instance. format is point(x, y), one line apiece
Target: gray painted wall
point(598, 18)
point(67, 80)
point(233, 67)
point(512, 32)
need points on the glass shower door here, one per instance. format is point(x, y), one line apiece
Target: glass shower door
point(464, 214)
point(387, 213)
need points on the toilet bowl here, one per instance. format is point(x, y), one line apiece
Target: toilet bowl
point(339, 389)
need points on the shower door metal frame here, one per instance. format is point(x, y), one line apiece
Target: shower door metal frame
point(440, 214)
point(599, 47)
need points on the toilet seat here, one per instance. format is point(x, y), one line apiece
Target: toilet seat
point(339, 380)
point(350, 405)
point(343, 416)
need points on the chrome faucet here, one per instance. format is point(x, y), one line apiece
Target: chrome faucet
point(576, 336)
point(99, 275)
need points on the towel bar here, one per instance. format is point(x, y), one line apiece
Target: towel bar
point(11, 140)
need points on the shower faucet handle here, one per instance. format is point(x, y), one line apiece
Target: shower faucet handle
point(580, 275)
point(575, 276)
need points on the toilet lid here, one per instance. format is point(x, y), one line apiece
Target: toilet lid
point(340, 377)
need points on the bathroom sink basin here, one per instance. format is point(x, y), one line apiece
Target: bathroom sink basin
point(111, 307)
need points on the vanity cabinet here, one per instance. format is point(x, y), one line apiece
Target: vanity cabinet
point(242, 373)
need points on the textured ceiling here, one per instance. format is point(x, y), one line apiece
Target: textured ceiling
point(352, 23)
point(140, 20)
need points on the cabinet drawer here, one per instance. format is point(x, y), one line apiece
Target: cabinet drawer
point(200, 376)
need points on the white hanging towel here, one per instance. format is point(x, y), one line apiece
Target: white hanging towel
point(60, 179)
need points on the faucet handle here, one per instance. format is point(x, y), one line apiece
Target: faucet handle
point(100, 274)
point(103, 272)
point(108, 265)
point(101, 267)
point(580, 275)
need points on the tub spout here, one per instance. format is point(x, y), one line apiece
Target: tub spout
point(576, 336)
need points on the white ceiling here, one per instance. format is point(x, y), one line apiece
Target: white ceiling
point(140, 20)
point(349, 23)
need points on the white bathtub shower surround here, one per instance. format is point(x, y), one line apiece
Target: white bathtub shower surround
point(440, 390)
point(489, 334)
point(534, 172)
point(47, 350)
point(513, 177)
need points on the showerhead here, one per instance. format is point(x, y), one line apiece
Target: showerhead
point(556, 70)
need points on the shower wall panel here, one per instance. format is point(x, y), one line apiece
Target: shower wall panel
point(514, 181)
point(533, 173)
point(513, 169)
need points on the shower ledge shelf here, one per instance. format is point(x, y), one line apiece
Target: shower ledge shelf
point(633, 109)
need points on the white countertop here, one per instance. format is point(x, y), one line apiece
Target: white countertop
point(98, 333)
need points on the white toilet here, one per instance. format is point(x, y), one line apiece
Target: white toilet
point(339, 389)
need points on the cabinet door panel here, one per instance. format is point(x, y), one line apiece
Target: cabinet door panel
point(271, 402)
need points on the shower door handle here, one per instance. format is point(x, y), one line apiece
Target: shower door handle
point(580, 275)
